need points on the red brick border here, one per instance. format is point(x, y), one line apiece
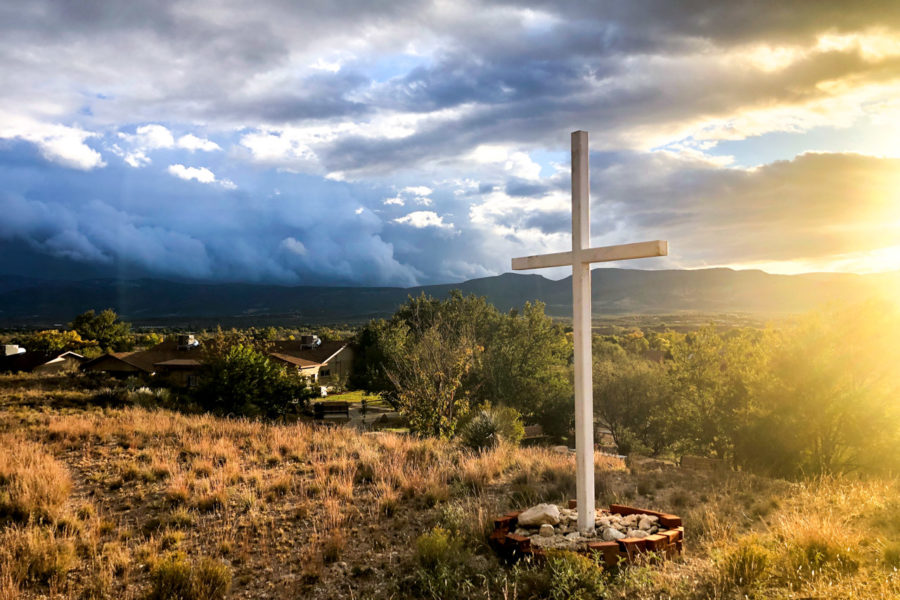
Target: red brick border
point(665, 544)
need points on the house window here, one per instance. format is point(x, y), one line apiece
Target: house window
point(324, 372)
point(192, 381)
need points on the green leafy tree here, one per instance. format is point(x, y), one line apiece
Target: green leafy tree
point(106, 328)
point(713, 377)
point(243, 381)
point(525, 365)
point(428, 370)
point(829, 401)
point(632, 398)
point(56, 341)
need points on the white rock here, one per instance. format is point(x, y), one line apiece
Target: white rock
point(572, 536)
point(610, 534)
point(539, 515)
point(561, 449)
point(546, 530)
point(638, 533)
point(603, 522)
point(645, 523)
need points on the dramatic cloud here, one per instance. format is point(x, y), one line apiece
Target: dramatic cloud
point(201, 174)
point(415, 142)
point(424, 218)
point(57, 143)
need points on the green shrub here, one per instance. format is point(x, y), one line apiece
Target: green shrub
point(565, 576)
point(441, 571)
point(174, 578)
point(480, 433)
point(487, 427)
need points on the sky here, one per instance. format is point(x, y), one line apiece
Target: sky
point(410, 143)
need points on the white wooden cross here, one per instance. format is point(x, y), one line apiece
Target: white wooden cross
point(580, 258)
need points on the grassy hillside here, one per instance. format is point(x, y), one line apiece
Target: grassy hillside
point(128, 502)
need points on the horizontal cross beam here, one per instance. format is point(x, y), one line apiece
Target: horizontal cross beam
point(592, 255)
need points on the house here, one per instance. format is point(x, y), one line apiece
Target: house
point(178, 360)
point(45, 363)
point(314, 358)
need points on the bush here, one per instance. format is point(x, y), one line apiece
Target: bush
point(891, 555)
point(488, 426)
point(746, 566)
point(816, 555)
point(441, 571)
point(564, 576)
point(480, 433)
point(244, 381)
point(37, 554)
point(174, 578)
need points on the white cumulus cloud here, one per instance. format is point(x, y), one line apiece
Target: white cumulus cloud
point(424, 218)
point(192, 142)
point(201, 174)
point(57, 143)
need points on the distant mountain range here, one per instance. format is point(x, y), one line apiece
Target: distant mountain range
point(28, 301)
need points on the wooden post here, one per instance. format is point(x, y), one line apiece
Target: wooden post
point(581, 327)
point(580, 259)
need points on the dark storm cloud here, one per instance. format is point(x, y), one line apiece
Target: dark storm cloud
point(329, 88)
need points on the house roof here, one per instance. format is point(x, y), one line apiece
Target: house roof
point(146, 360)
point(179, 362)
point(319, 355)
point(295, 360)
point(28, 361)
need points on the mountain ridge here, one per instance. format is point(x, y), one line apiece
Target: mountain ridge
point(32, 301)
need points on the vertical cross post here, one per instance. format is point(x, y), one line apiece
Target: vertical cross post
point(581, 326)
point(580, 259)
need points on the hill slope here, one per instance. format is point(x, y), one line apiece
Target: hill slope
point(31, 301)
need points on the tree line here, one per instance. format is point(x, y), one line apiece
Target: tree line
point(817, 394)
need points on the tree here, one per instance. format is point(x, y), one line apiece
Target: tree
point(713, 377)
point(632, 399)
point(428, 370)
point(525, 365)
point(56, 341)
point(243, 381)
point(106, 328)
point(828, 403)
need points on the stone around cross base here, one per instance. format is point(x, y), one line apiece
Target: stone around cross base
point(547, 530)
point(539, 515)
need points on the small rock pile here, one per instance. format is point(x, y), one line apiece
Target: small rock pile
point(549, 526)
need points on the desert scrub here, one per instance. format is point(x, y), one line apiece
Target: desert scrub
point(175, 578)
point(745, 567)
point(441, 570)
point(33, 485)
point(564, 576)
point(36, 555)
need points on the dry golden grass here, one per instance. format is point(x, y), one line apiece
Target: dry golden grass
point(33, 485)
point(96, 499)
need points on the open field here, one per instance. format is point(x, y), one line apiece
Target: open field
point(128, 502)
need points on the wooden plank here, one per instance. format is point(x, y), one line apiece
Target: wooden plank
point(669, 521)
point(656, 542)
point(633, 547)
point(593, 255)
point(542, 261)
point(609, 551)
point(581, 335)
